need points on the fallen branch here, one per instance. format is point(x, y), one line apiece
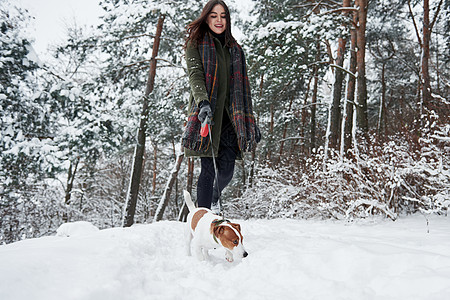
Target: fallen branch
point(371, 204)
point(168, 189)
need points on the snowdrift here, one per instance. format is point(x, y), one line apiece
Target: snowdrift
point(288, 259)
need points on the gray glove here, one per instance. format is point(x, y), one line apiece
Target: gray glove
point(205, 111)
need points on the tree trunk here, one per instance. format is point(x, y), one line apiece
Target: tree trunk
point(166, 195)
point(252, 167)
point(438, 72)
point(337, 90)
point(304, 115)
point(244, 178)
point(155, 161)
point(426, 34)
point(361, 108)
point(381, 127)
point(182, 216)
point(136, 172)
point(379, 54)
point(285, 131)
point(426, 88)
point(70, 179)
point(335, 117)
point(426, 98)
point(314, 97)
point(350, 99)
point(190, 179)
point(271, 128)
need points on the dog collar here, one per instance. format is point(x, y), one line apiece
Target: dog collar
point(216, 224)
point(215, 239)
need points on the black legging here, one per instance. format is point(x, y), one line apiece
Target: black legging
point(225, 161)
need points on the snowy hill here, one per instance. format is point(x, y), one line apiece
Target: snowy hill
point(288, 259)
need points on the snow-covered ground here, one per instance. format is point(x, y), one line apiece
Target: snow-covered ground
point(288, 259)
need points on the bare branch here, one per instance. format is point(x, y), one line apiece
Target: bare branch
point(136, 63)
point(343, 69)
point(54, 74)
point(138, 36)
point(414, 22)
point(329, 51)
point(338, 10)
point(435, 16)
point(171, 63)
point(292, 138)
point(313, 9)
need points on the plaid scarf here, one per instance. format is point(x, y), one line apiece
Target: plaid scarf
point(240, 99)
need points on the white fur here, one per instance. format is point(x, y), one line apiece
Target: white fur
point(201, 238)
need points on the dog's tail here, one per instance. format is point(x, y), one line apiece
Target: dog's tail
point(188, 200)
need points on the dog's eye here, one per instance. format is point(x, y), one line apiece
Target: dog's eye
point(235, 242)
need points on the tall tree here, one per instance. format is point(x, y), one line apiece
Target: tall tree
point(140, 145)
point(314, 101)
point(361, 105)
point(383, 52)
point(335, 120)
point(285, 51)
point(26, 148)
point(349, 108)
point(424, 42)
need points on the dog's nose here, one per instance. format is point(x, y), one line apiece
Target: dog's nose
point(245, 254)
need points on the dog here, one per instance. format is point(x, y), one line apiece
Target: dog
point(206, 231)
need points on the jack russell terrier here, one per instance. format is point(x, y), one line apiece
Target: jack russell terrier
point(208, 231)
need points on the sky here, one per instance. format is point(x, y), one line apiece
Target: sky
point(53, 17)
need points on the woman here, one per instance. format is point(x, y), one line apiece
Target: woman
point(220, 92)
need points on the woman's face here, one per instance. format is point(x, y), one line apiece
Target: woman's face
point(216, 20)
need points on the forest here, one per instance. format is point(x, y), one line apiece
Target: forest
point(351, 97)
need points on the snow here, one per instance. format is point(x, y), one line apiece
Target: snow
point(79, 228)
point(288, 259)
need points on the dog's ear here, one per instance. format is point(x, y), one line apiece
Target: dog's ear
point(236, 226)
point(218, 230)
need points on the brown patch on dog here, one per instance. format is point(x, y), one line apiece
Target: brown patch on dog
point(227, 236)
point(213, 227)
point(196, 218)
point(238, 228)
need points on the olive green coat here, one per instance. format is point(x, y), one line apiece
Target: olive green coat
point(199, 93)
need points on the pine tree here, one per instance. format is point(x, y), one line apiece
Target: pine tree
point(26, 148)
point(289, 45)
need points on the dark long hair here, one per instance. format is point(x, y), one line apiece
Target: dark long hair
point(198, 28)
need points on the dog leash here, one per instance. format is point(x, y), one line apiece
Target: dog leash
point(206, 130)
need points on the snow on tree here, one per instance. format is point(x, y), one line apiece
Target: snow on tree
point(68, 126)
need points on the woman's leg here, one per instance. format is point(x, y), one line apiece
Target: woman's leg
point(225, 165)
point(206, 187)
point(205, 183)
point(207, 190)
point(228, 152)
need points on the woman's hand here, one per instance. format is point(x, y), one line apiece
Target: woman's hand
point(205, 111)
